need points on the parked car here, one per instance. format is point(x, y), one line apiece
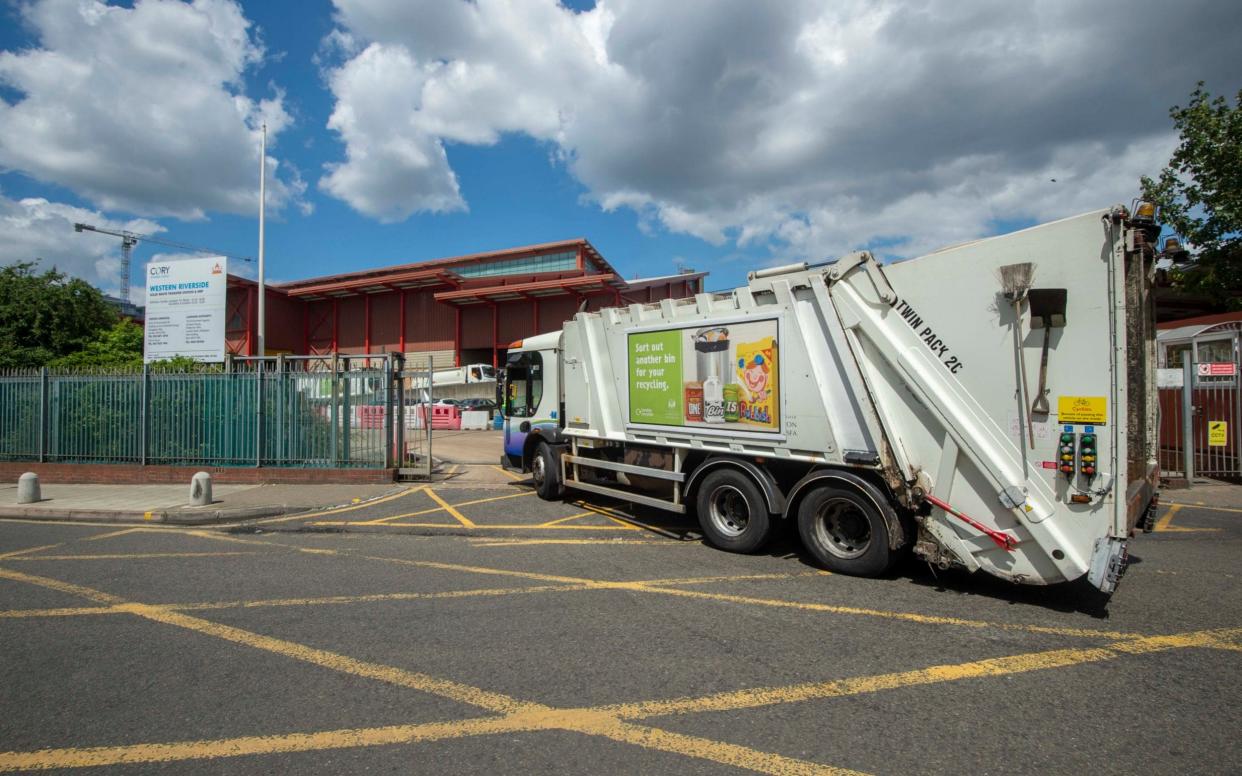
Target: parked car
point(478, 405)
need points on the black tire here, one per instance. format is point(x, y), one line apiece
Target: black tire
point(732, 511)
point(545, 471)
point(846, 530)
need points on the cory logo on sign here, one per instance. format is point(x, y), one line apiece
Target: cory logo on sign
point(158, 271)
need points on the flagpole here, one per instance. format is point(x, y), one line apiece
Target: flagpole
point(262, 325)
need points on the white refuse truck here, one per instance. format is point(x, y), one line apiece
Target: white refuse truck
point(988, 406)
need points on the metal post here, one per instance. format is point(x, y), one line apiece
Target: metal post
point(334, 410)
point(389, 456)
point(144, 421)
point(262, 326)
point(44, 419)
point(260, 368)
point(1188, 413)
point(280, 408)
point(431, 373)
point(347, 422)
point(399, 385)
point(229, 420)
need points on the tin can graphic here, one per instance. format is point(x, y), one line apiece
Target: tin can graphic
point(731, 396)
point(694, 402)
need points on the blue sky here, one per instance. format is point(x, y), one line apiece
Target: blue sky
point(721, 136)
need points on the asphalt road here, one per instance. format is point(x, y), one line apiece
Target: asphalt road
point(479, 630)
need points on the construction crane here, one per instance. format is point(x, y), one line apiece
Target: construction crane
point(130, 239)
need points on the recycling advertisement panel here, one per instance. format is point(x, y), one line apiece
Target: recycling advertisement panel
point(716, 376)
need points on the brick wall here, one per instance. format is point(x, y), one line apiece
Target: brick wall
point(129, 474)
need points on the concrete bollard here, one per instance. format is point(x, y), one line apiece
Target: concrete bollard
point(200, 490)
point(28, 489)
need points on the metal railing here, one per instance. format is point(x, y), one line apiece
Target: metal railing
point(1200, 415)
point(285, 411)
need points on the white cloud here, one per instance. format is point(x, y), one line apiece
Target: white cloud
point(814, 127)
point(143, 110)
point(35, 229)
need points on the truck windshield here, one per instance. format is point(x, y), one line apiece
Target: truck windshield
point(523, 384)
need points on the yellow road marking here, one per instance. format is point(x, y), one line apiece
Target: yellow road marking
point(338, 510)
point(926, 619)
point(731, 577)
point(16, 553)
point(1164, 524)
point(604, 721)
point(508, 527)
point(64, 587)
point(535, 717)
point(610, 721)
point(111, 534)
point(621, 518)
point(413, 680)
point(1198, 505)
point(447, 507)
point(567, 519)
point(432, 510)
point(223, 537)
point(321, 601)
point(62, 523)
point(138, 556)
point(611, 542)
point(251, 745)
point(64, 611)
point(999, 666)
point(524, 715)
point(508, 473)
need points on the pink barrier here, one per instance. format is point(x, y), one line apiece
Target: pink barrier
point(444, 417)
point(370, 416)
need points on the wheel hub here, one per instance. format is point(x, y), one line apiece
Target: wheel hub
point(843, 529)
point(728, 511)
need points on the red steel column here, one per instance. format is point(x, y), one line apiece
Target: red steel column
point(456, 335)
point(336, 317)
point(495, 336)
point(250, 320)
point(401, 319)
point(534, 305)
point(366, 326)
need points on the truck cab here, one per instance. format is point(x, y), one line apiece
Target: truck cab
point(532, 404)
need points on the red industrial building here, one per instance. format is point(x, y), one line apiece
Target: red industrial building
point(459, 310)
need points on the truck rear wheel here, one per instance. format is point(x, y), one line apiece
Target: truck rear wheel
point(845, 530)
point(545, 471)
point(732, 512)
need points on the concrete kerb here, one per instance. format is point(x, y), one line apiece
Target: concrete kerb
point(197, 516)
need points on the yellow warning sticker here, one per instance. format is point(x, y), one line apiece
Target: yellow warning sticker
point(1218, 433)
point(1082, 409)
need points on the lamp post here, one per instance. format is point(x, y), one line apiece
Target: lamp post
point(261, 330)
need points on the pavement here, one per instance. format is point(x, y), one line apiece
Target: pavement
point(467, 447)
point(464, 627)
point(170, 503)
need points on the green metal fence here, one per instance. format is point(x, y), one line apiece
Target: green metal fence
point(259, 413)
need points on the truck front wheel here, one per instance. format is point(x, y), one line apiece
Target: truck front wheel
point(845, 531)
point(732, 512)
point(545, 471)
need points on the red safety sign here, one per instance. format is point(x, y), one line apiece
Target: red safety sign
point(1218, 369)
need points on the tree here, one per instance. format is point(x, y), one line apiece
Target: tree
point(1199, 194)
point(47, 315)
point(119, 346)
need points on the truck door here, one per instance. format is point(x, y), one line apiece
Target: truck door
point(523, 393)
